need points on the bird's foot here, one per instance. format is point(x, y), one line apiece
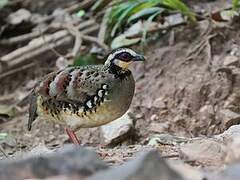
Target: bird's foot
point(72, 136)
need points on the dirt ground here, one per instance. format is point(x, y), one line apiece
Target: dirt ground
point(183, 83)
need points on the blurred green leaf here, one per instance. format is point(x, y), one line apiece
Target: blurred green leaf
point(3, 3)
point(235, 4)
point(81, 13)
point(99, 5)
point(145, 12)
point(83, 60)
point(122, 40)
point(3, 136)
point(125, 12)
point(7, 111)
point(122, 17)
point(180, 6)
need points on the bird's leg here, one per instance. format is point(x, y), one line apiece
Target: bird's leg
point(72, 136)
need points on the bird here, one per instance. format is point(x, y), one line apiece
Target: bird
point(85, 96)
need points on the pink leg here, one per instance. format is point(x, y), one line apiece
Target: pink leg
point(72, 136)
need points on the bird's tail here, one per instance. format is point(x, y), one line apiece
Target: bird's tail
point(32, 109)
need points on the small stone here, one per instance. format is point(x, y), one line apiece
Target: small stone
point(228, 118)
point(148, 166)
point(159, 103)
point(61, 63)
point(154, 117)
point(117, 130)
point(186, 171)
point(159, 127)
point(166, 139)
point(19, 16)
point(231, 61)
point(41, 149)
point(138, 116)
point(207, 152)
point(206, 112)
point(206, 115)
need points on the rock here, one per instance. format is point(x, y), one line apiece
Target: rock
point(228, 118)
point(207, 152)
point(229, 135)
point(19, 16)
point(231, 61)
point(166, 139)
point(230, 173)
point(117, 130)
point(70, 160)
point(148, 166)
point(65, 177)
point(159, 103)
point(232, 102)
point(154, 117)
point(41, 149)
point(231, 139)
point(159, 127)
point(186, 171)
point(206, 113)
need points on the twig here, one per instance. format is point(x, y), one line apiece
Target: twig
point(37, 46)
point(103, 26)
point(78, 38)
point(22, 38)
point(170, 156)
point(13, 71)
point(82, 5)
point(96, 41)
point(2, 151)
point(90, 29)
point(33, 45)
point(209, 49)
point(50, 47)
point(38, 51)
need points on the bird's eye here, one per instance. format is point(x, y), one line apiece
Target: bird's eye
point(125, 56)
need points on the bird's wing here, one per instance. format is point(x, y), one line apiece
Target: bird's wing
point(75, 85)
point(82, 86)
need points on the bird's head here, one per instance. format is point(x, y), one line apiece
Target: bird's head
point(123, 57)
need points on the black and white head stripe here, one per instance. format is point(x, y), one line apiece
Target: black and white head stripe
point(123, 54)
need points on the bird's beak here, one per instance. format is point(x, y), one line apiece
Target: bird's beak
point(139, 58)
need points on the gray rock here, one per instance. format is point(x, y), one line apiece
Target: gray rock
point(229, 135)
point(70, 160)
point(186, 171)
point(230, 173)
point(166, 139)
point(159, 127)
point(159, 103)
point(228, 118)
point(117, 130)
point(231, 61)
point(206, 113)
point(148, 166)
point(207, 152)
point(19, 16)
point(231, 139)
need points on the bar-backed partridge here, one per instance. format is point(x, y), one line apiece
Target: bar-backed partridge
point(86, 96)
